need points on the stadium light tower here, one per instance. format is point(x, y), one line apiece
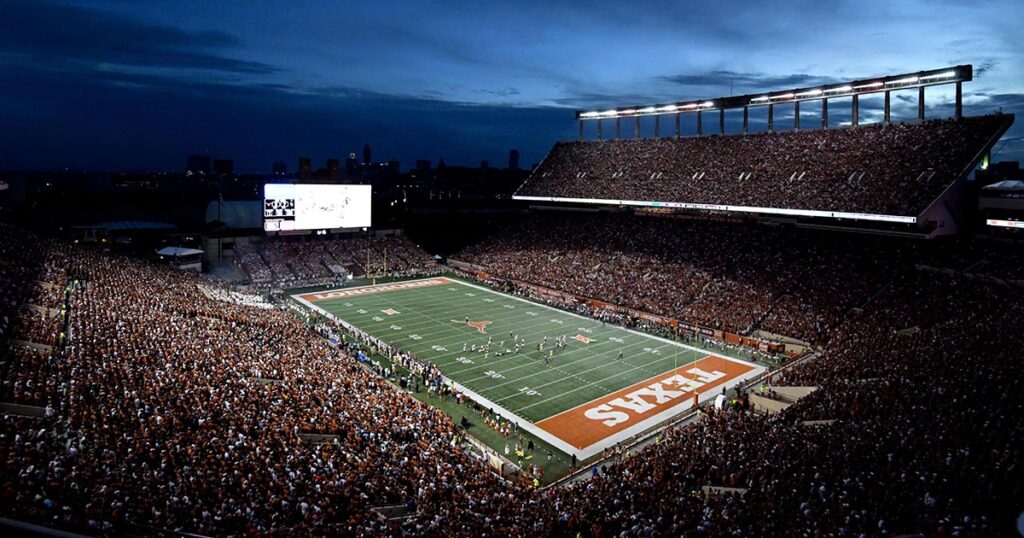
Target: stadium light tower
point(854, 89)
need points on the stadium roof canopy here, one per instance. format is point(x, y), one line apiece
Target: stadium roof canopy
point(853, 88)
point(122, 225)
point(178, 251)
point(1008, 185)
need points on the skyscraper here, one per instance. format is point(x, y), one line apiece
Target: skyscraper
point(513, 159)
point(351, 165)
point(366, 154)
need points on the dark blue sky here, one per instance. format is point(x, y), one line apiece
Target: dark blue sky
point(119, 84)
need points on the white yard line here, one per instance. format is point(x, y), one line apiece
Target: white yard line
point(492, 364)
point(529, 426)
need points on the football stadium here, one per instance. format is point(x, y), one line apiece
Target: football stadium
point(720, 300)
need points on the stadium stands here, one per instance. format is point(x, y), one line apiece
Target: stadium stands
point(904, 455)
point(169, 409)
point(178, 411)
point(283, 264)
point(882, 170)
point(732, 277)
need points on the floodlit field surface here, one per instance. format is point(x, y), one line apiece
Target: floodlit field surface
point(581, 398)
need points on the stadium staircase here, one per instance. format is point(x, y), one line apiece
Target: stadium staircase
point(773, 399)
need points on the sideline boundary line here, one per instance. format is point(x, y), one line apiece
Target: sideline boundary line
point(598, 446)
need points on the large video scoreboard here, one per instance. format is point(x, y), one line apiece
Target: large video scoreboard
point(291, 206)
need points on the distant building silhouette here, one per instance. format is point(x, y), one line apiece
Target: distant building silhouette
point(279, 168)
point(223, 167)
point(366, 155)
point(513, 159)
point(198, 164)
point(305, 168)
point(423, 165)
point(351, 165)
point(330, 173)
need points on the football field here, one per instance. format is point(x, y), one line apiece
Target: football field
point(605, 384)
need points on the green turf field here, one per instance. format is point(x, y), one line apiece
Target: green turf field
point(430, 323)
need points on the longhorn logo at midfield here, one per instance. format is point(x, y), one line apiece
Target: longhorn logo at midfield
point(480, 325)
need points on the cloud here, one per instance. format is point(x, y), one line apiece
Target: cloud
point(753, 81)
point(84, 119)
point(984, 67)
point(499, 92)
point(597, 99)
point(41, 32)
point(88, 87)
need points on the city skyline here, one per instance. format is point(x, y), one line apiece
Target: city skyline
point(114, 85)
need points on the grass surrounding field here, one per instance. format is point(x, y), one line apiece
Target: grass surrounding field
point(554, 468)
point(430, 322)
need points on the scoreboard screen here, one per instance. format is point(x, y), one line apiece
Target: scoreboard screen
point(289, 206)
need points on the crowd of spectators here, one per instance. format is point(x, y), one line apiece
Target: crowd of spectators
point(292, 264)
point(896, 169)
point(252, 264)
point(733, 277)
point(171, 409)
point(175, 410)
point(219, 291)
point(924, 440)
point(32, 296)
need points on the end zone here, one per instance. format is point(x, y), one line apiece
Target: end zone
point(366, 290)
point(636, 408)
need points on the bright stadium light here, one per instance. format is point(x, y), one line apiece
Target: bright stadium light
point(908, 80)
point(945, 74)
point(948, 75)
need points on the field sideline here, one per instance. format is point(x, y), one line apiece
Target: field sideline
point(581, 398)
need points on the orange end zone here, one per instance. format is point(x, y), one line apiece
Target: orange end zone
point(593, 421)
point(367, 290)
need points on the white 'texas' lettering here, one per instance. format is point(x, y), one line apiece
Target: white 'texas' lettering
point(706, 377)
point(634, 403)
point(664, 391)
point(660, 393)
point(603, 412)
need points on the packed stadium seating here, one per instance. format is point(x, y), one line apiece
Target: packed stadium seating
point(181, 411)
point(294, 264)
point(171, 409)
point(732, 277)
point(891, 170)
point(906, 454)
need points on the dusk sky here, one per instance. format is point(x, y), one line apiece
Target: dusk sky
point(118, 84)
